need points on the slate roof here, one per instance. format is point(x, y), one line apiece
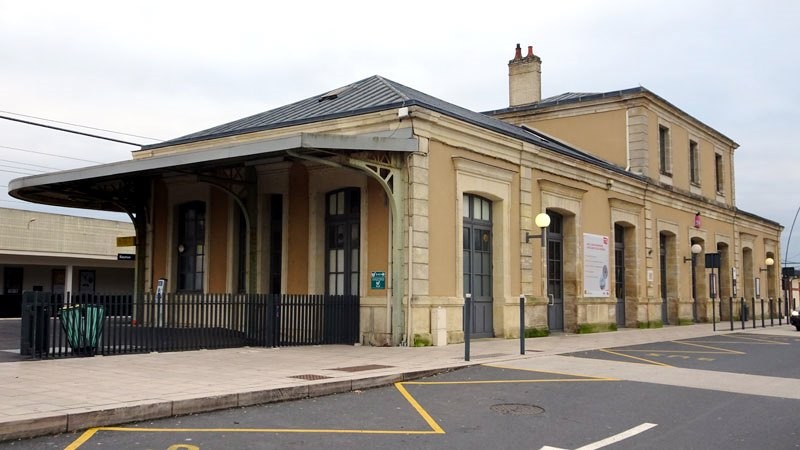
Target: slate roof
point(373, 94)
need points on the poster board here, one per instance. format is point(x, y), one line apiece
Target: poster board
point(596, 279)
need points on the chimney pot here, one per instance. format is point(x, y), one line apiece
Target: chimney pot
point(524, 78)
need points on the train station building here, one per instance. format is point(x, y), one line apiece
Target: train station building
point(412, 203)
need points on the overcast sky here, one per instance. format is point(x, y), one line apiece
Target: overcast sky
point(162, 69)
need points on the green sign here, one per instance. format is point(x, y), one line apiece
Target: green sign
point(377, 280)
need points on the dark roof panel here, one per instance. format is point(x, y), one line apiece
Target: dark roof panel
point(377, 94)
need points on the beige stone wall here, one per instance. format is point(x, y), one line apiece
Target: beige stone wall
point(602, 133)
point(30, 232)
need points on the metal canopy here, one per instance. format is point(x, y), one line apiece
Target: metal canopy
point(120, 186)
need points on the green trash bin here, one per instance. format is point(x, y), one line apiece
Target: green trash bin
point(83, 325)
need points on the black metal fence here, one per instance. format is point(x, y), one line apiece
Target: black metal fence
point(57, 325)
point(753, 312)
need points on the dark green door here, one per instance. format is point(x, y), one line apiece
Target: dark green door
point(555, 272)
point(619, 273)
point(477, 246)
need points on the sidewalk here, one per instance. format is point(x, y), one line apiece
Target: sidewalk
point(56, 396)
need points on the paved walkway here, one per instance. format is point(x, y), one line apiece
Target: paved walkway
point(54, 396)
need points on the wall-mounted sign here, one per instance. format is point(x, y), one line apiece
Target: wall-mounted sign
point(712, 260)
point(377, 280)
point(126, 241)
point(126, 256)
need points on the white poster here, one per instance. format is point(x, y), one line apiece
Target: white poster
point(596, 277)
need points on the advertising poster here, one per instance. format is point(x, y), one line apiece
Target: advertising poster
point(596, 277)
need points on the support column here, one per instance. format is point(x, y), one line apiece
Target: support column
point(393, 181)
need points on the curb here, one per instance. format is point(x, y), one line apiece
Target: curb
point(79, 421)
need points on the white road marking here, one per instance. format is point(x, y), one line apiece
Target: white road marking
point(610, 440)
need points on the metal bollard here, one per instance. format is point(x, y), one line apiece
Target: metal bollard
point(730, 311)
point(467, 324)
point(713, 314)
point(742, 311)
point(762, 314)
point(771, 315)
point(521, 324)
point(780, 311)
point(753, 311)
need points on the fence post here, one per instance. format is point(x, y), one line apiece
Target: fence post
point(467, 324)
point(521, 324)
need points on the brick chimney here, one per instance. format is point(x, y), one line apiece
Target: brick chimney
point(524, 78)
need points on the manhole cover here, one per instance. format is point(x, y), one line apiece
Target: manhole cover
point(516, 409)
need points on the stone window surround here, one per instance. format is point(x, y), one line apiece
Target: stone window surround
point(492, 183)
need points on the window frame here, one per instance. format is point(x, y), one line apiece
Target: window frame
point(664, 151)
point(719, 173)
point(694, 162)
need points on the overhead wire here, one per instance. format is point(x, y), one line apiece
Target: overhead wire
point(79, 125)
point(67, 130)
point(49, 154)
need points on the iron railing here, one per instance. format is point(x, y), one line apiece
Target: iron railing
point(58, 325)
point(753, 312)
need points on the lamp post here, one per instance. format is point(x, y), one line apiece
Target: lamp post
point(696, 249)
point(542, 220)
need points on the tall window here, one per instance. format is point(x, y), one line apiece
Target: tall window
point(343, 236)
point(694, 163)
point(664, 159)
point(191, 246)
point(718, 172)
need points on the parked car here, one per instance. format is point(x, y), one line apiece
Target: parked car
point(795, 319)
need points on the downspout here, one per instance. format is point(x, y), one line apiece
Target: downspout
point(627, 140)
point(409, 337)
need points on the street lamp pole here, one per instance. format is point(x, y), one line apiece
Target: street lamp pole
point(696, 249)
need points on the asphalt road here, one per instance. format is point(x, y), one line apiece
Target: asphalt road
point(754, 354)
point(504, 408)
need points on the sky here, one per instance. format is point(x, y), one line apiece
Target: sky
point(157, 70)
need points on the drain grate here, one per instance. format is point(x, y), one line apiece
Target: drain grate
point(310, 377)
point(516, 409)
point(362, 368)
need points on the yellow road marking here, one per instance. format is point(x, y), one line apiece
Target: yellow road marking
point(432, 423)
point(677, 351)
point(554, 380)
point(725, 350)
point(264, 430)
point(498, 366)
point(82, 439)
point(435, 427)
point(635, 357)
point(764, 340)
